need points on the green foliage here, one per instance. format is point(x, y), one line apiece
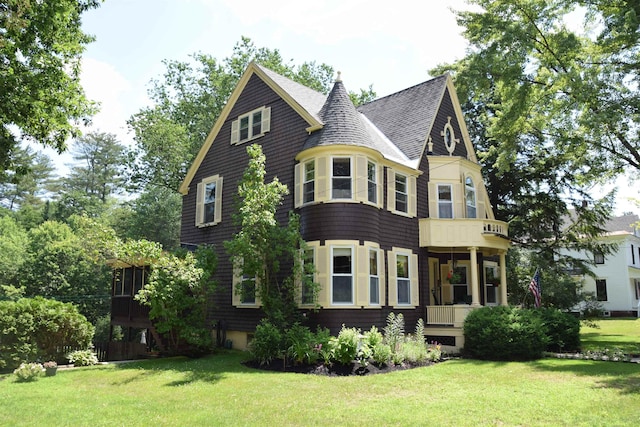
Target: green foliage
point(504, 333)
point(381, 353)
point(262, 243)
point(562, 329)
point(413, 351)
point(27, 372)
point(345, 346)
point(13, 250)
point(394, 331)
point(38, 328)
point(373, 337)
point(177, 294)
point(82, 358)
point(40, 91)
point(267, 343)
point(103, 326)
point(301, 344)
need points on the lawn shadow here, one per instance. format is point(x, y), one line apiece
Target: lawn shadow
point(622, 376)
point(210, 368)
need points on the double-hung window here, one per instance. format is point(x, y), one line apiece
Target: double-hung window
point(251, 125)
point(404, 281)
point(248, 290)
point(309, 182)
point(372, 183)
point(445, 201)
point(209, 201)
point(374, 278)
point(341, 178)
point(601, 290)
point(470, 197)
point(401, 193)
point(342, 275)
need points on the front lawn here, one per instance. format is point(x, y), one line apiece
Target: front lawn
point(623, 333)
point(219, 390)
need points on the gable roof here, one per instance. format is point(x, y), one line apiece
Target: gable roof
point(306, 102)
point(625, 224)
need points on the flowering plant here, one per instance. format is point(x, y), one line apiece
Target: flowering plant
point(50, 364)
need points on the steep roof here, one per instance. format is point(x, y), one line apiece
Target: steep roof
point(624, 223)
point(344, 125)
point(406, 117)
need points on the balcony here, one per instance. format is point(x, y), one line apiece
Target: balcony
point(464, 232)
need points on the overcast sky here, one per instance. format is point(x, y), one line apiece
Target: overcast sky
point(388, 44)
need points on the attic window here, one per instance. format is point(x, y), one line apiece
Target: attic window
point(250, 126)
point(450, 140)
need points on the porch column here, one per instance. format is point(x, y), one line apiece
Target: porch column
point(503, 278)
point(475, 288)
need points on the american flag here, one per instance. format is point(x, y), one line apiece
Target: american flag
point(534, 287)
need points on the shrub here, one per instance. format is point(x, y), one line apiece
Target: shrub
point(504, 333)
point(267, 343)
point(323, 345)
point(381, 354)
point(562, 329)
point(82, 358)
point(300, 343)
point(345, 346)
point(413, 351)
point(38, 329)
point(373, 337)
point(28, 371)
point(434, 352)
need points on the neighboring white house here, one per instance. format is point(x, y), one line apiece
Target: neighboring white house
point(617, 276)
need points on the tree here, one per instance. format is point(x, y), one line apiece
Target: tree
point(27, 179)
point(40, 91)
point(155, 216)
point(263, 244)
point(553, 111)
point(188, 100)
point(95, 177)
point(13, 251)
point(57, 266)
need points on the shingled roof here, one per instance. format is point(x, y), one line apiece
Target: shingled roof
point(406, 117)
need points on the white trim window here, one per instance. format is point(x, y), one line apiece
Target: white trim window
point(470, 197)
point(248, 290)
point(402, 194)
point(374, 277)
point(445, 201)
point(342, 275)
point(309, 183)
point(403, 279)
point(250, 126)
point(372, 182)
point(209, 201)
point(341, 178)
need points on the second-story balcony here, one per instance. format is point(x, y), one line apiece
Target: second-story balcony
point(464, 232)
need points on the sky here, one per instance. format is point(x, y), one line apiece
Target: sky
point(388, 44)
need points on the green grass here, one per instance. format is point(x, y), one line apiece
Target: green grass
point(219, 390)
point(613, 333)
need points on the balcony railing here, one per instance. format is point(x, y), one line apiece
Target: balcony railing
point(464, 232)
point(447, 315)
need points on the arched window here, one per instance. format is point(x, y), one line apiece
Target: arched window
point(470, 197)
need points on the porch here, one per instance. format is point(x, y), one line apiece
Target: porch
point(443, 324)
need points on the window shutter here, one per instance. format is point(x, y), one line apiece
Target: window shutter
point(413, 197)
point(266, 120)
point(362, 276)
point(433, 200)
point(322, 178)
point(361, 179)
point(380, 184)
point(393, 279)
point(382, 275)
point(413, 275)
point(217, 216)
point(459, 204)
point(235, 282)
point(297, 179)
point(235, 131)
point(322, 275)
point(199, 200)
point(391, 190)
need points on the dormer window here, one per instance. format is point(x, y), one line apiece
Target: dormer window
point(251, 125)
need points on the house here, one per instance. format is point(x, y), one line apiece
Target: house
point(390, 195)
point(616, 284)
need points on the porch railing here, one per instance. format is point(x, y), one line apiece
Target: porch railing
point(447, 315)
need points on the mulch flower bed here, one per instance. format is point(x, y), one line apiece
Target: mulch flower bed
point(334, 370)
